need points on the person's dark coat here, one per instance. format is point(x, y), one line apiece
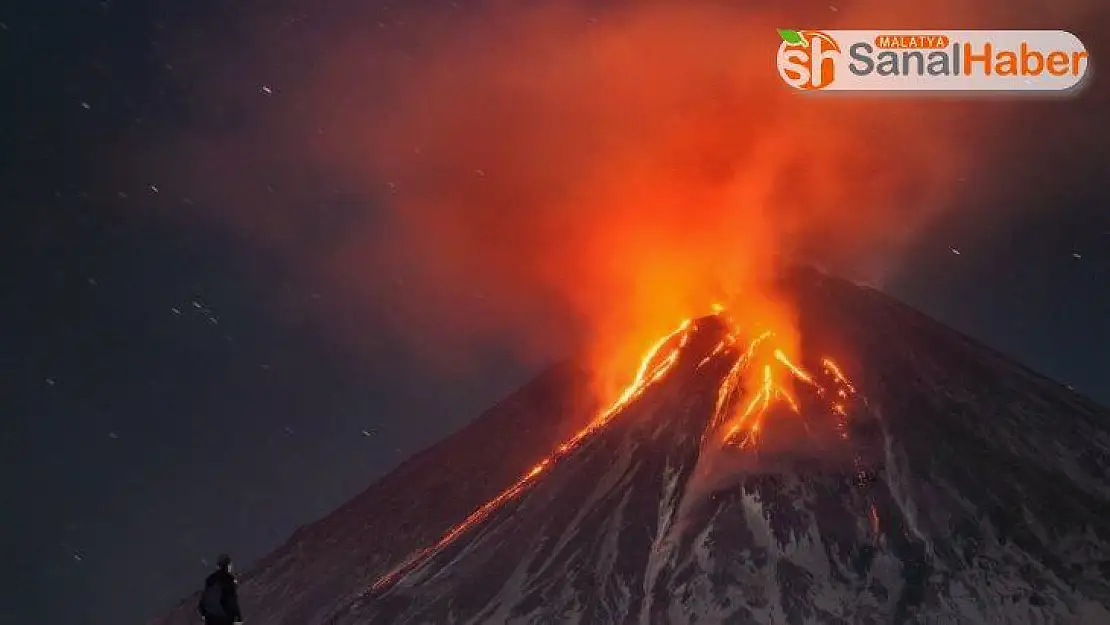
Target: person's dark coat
point(227, 612)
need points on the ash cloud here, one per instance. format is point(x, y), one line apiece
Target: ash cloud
point(554, 174)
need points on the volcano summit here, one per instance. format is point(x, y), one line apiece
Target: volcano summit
point(913, 477)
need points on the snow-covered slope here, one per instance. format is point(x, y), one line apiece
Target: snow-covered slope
point(963, 489)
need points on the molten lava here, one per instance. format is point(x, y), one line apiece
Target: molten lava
point(759, 369)
point(652, 369)
point(743, 430)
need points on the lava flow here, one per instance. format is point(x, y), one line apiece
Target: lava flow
point(757, 370)
point(743, 429)
point(652, 369)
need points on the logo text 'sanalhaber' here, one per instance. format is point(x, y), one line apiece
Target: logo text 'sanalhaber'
point(974, 60)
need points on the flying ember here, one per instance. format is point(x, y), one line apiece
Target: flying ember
point(759, 373)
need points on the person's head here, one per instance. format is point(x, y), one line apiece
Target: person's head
point(224, 562)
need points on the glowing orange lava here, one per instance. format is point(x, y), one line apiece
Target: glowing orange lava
point(646, 375)
point(652, 369)
point(763, 379)
point(743, 429)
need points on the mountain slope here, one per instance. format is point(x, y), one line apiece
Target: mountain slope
point(958, 486)
point(340, 555)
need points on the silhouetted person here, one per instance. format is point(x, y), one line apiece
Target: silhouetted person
point(219, 603)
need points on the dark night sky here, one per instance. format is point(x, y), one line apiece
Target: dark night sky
point(165, 394)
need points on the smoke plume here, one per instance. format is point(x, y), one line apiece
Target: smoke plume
point(605, 167)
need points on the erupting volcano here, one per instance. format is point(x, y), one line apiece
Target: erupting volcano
point(727, 426)
point(880, 469)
